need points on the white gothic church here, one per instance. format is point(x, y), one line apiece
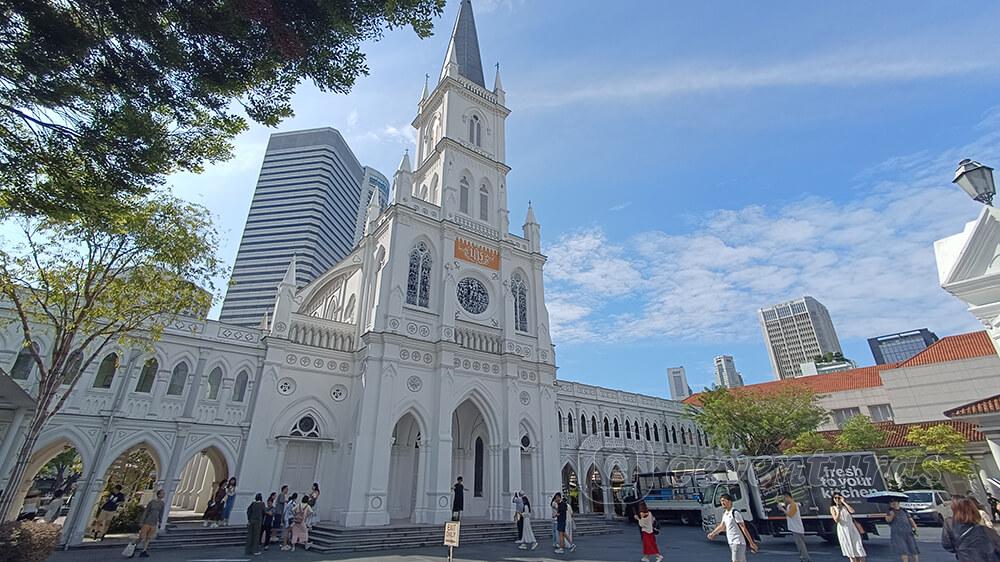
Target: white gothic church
point(423, 356)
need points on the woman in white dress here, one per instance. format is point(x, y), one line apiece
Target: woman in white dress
point(527, 536)
point(847, 531)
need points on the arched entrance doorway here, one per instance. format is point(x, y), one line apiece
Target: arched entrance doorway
point(199, 479)
point(136, 471)
point(617, 481)
point(471, 457)
point(571, 487)
point(404, 469)
point(52, 472)
point(595, 489)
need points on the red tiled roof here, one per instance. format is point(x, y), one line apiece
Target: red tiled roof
point(854, 379)
point(989, 405)
point(895, 434)
point(954, 348)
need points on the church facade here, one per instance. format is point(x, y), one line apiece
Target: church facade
point(423, 356)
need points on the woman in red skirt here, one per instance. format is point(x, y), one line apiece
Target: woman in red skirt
point(647, 526)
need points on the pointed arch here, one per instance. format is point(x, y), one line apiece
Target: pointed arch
point(24, 364)
point(434, 198)
point(106, 371)
point(418, 283)
point(178, 378)
point(240, 386)
point(617, 433)
point(214, 384)
point(147, 375)
point(628, 429)
point(607, 429)
point(483, 400)
point(583, 424)
point(519, 291)
point(464, 194)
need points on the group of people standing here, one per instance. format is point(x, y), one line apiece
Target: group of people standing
point(291, 516)
point(221, 505)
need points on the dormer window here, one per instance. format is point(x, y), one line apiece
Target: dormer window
point(475, 131)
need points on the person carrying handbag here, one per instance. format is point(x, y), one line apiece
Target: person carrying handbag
point(649, 529)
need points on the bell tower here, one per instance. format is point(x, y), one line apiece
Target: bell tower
point(460, 138)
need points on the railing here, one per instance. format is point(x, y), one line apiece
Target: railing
point(482, 92)
point(315, 335)
point(478, 341)
point(477, 227)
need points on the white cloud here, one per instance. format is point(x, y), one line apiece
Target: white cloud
point(851, 67)
point(620, 207)
point(870, 260)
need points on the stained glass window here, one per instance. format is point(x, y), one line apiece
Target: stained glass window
point(520, 292)
point(418, 285)
point(473, 295)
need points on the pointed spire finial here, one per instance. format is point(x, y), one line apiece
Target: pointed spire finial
point(404, 164)
point(463, 49)
point(530, 219)
point(423, 96)
point(497, 84)
point(290, 273)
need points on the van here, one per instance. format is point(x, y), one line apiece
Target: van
point(928, 507)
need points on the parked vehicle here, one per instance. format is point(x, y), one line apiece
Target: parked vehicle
point(757, 483)
point(928, 507)
point(671, 496)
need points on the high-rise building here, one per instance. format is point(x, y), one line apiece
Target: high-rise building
point(896, 348)
point(306, 204)
point(372, 182)
point(677, 378)
point(796, 332)
point(725, 372)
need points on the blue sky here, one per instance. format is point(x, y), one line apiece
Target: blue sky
point(691, 162)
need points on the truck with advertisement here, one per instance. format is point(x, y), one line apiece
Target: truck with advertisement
point(690, 494)
point(757, 485)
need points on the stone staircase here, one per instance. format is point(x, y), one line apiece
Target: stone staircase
point(188, 532)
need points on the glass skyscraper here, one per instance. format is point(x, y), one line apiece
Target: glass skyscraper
point(309, 195)
point(896, 348)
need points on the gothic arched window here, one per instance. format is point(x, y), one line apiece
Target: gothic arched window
point(656, 433)
point(636, 427)
point(214, 382)
point(305, 427)
point(593, 425)
point(477, 475)
point(607, 429)
point(569, 423)
point(106, 371)
point(178, 378)
point(673, 432)
point(24, 363)
point(240, 388)
point(628, 430)
point(617, 433)
point(484, 203)
point(520, 292)
point(684, 439)
point(463, 195)
point(648, 438)
point(147, 376)
point(559, 417)
point(418, 285)
point(72, 367)
point(475, 131)
point(583, 425)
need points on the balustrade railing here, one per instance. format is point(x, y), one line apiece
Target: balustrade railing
point(317, 335)
point(478, 341)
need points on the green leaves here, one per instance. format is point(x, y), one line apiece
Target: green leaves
point(859, 434)
point(100, 99)
point(943, 450)
point(757, 425)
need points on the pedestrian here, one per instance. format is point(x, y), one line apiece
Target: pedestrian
point(554, 504)
point(216, 506)
point(647, 526)
point(561, 516)
point(313, 497)
point(255, 520)
point(737, 534)
point(527, 539)
point(902, 532)
point(992, 501)
point(847, 530)
point(300, 532)
point(983, 516)
point(570, 521)
point(793, 521)
point(150, 521)
point(53, 508)
point(270, 518)
point(108, 511)
point(964, 535)
point(230, 500)
point(518, 515)
point(286, 518)
point(279, 511)
point(458, 502)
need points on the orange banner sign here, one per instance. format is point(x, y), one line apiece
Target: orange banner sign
point(479, 255)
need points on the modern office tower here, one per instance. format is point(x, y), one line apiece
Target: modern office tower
point(725, 372)
point(679, 389)
point(373, 181)
point(306, 205)
point(896, 348)
point(796, 332)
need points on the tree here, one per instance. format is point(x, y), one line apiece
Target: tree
point(100, 99)
point(757, 425)
point(810, 442)
point(65, 468)
point(938, 449)
point(859, 434)
point(87, 288)
point(830, 357)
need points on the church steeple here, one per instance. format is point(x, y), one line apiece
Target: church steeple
point(463, 49)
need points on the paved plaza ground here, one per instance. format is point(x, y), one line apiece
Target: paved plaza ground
point(676, 543)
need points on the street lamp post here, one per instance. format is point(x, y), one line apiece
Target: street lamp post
point(976, 180)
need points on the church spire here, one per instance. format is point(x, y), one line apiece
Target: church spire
point(463, 49)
